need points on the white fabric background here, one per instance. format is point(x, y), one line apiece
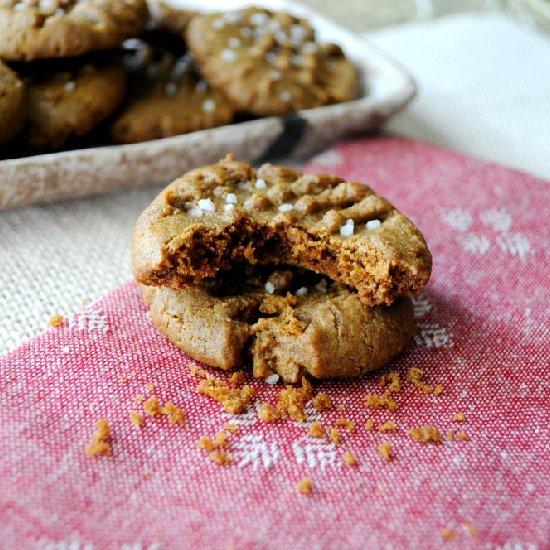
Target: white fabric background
point(484, 88)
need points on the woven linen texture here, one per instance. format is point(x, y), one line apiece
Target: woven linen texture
point(482, 334)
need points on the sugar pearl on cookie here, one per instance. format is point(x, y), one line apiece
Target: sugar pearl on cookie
point(231, 198)
point(228, 55)
point(260, 184)
point(348, 228)
point(270, 287)
point(206, 205)
point(285, 207)
point(301, 291)
point(373, 224)
point(208, 106)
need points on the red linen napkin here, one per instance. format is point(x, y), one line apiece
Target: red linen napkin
point(483, 335)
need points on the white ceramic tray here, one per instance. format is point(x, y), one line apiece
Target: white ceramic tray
point(47, 177)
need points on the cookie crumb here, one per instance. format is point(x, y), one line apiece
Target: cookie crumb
point(234, 401)
point(220, 457)
point(462, 436)
point(335, 436)
point(56, 320)
point(392, 381)
point(268, 413)
point(137, 419)
point(151, 388)
point(425, 434)
point(349, 458)
point(472, 529)
point(304, 486)
point(100, 443)
point(177, 416)
point(341, 407)
point(197, 371)
point(385, 450)
point(232, 428)
point(152, 406)
point(346, 423)
point(416, 376)
point(292, 401)
point(237, 379)
point(373, 401)
point(387, 426)
point(450, 435)
point(448, 534)
point(139, 399)
point(438, 390)
point(220, 439)
point(316, 430)
point(459, 417)
point(369, 424)
point(322, 402)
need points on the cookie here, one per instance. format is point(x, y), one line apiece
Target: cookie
point(284, 321)
point(169, 98)
point(36, 29)
point(229, 212)
point(268, 63)
point(13, 105)
point(72, 103)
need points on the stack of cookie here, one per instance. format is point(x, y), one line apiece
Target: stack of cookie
point(143, 70)
point(290, 273)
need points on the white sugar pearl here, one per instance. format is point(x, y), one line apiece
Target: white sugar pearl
point(260, 184)
point(69, 86)
point(285, 207)
point(231, 198)
point(208, 106)
point(258, 18)
point(195, 212)
point(234, 42)
point(373, 224)
point(206, 205)
point(286, 95)
point(218, 191)
point(301, 291)
point(201, 86)
point(347, 229)
point(228, 55)
point(228, 207)
point(272, 379)
point(270, 287)
point(309, 47)
point(170, 88)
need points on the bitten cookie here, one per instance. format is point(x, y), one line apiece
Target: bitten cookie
point(72, 103)
point(13, 104)
point(36, 29)
point(268, 63)
point(284, 321)
point(169, 98)
point(227, 213)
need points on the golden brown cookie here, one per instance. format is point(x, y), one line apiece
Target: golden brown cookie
point(168, 98)
point(72, 103)
point(284, 321)
point(227, 213)
point(13, 104)
point(37, 29)
point(268, 63)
